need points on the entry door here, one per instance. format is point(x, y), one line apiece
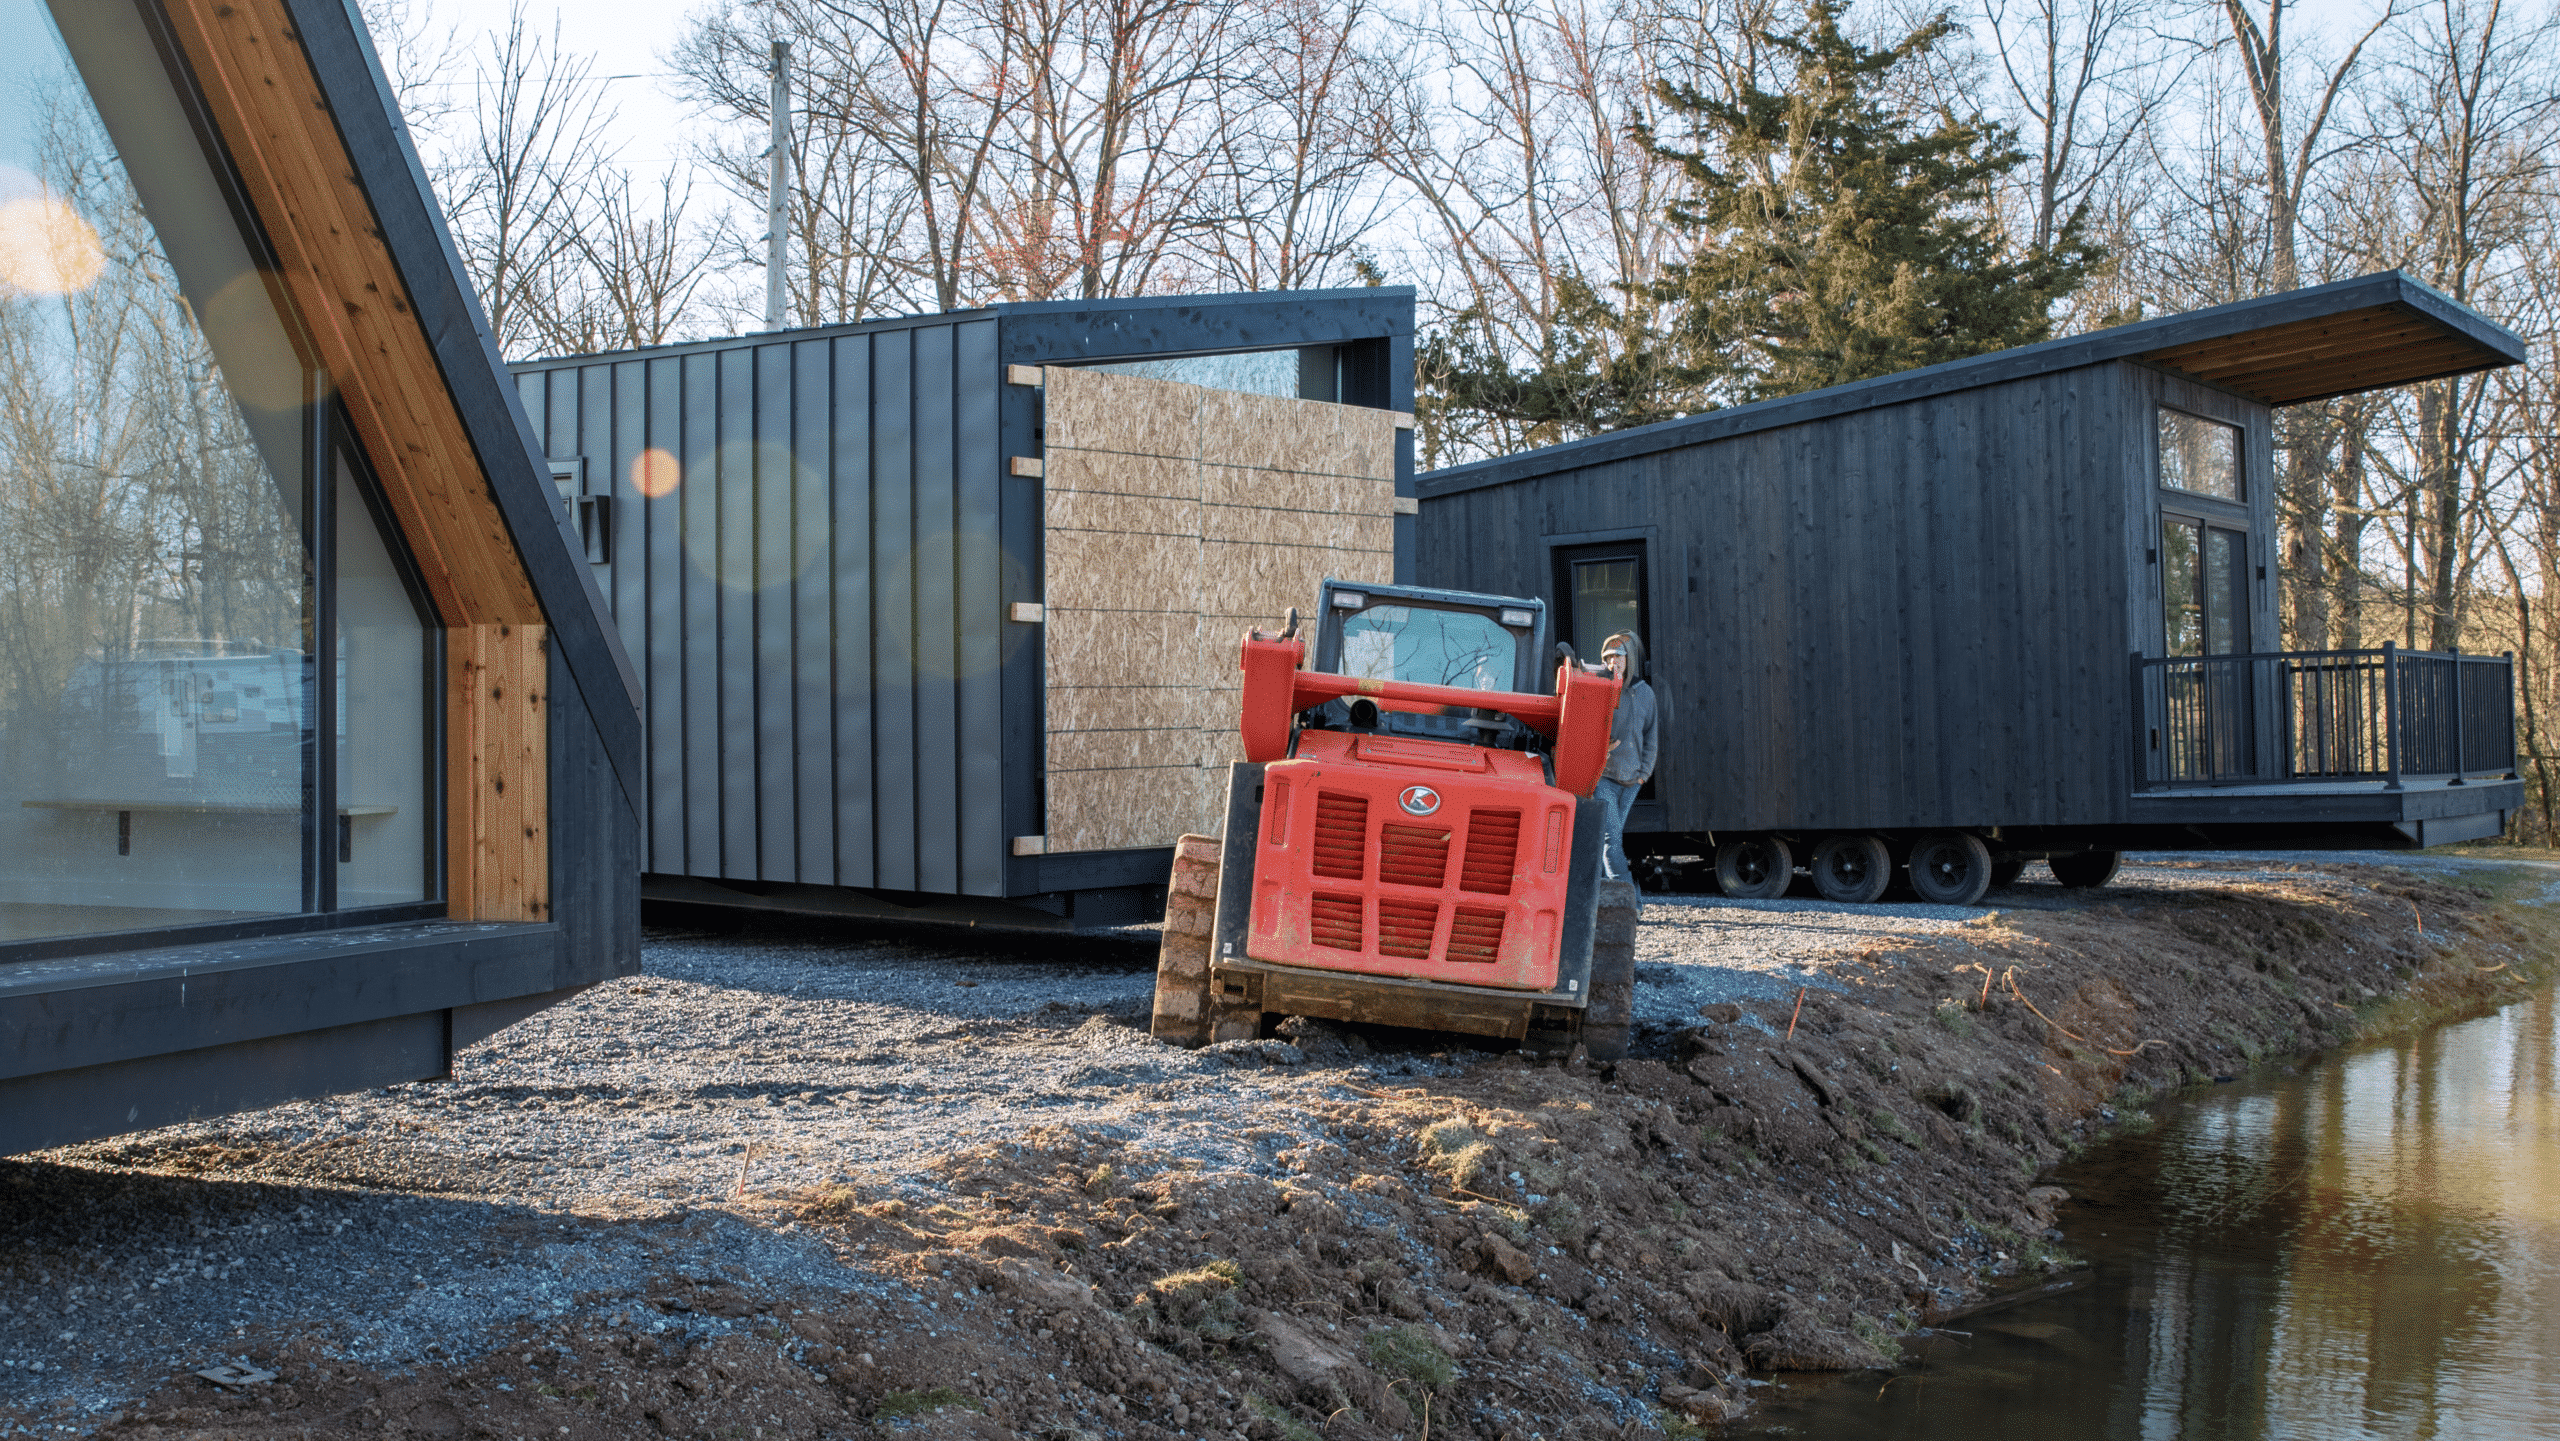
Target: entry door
point(2204, 612)
point(1601, 590)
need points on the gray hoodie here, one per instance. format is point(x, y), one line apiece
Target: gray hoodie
point(1632, 732)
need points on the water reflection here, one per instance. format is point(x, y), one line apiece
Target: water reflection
point(2367, 1249)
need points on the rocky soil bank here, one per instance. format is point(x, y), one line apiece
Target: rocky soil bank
point(905, 1189)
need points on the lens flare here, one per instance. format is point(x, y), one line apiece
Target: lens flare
point(46, 248)
point(656, 473)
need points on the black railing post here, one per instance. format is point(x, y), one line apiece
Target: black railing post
point(2461, 716)
point(2391, 711)
point(2141, 776)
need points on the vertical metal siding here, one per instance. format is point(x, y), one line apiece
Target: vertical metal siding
point(812, 688)
point(849, 430)
point(979, 464)
point(774, 593)
point(937, 761)
point(893, 611)
point(692, 613)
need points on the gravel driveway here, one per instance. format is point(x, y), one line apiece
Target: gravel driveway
point(593, 1150)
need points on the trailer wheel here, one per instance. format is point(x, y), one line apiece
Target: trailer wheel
point(1852, 870)
point(1950, 868)
point(1182, 1015)
point(2005, 873)
point(1611, 1010)
point(2088, 870)
point(1757, 869)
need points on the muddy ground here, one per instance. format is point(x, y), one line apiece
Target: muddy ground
point(1026, 1219)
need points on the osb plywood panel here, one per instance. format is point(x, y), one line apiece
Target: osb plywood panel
point(1176, 517)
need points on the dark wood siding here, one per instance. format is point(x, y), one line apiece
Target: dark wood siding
point(1910, 615)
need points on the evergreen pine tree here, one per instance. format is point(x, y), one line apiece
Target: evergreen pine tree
point(1840, 235)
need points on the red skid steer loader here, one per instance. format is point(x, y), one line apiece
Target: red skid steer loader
point(1410, 837)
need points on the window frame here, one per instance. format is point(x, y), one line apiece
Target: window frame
point(2240, 477)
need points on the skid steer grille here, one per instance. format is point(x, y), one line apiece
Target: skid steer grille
point(1493, 853)
point(1405, 927)
point(1337, 922)
point(1424, 861)
point(1413, 856)
point(1341, 844)
point(1475, 936)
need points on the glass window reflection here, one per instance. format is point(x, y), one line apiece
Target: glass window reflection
point(162, 686)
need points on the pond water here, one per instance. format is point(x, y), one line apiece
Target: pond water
point(2370, 1248)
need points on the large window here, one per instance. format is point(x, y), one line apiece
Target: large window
point(196, 586)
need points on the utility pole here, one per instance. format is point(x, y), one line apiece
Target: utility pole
point(777, 195)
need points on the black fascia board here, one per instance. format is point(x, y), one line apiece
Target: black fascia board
point(1073, 332)
point(394, 180)
point(92, 1010)
point(753, 337)
point(2122, 342)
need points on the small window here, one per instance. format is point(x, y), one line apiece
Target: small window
point(1602, 588)
point(2199, 456)
point(1255, 372)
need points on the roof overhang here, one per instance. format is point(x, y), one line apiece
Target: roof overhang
point(2416, 335)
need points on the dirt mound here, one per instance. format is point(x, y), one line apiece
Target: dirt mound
point(1509, 1249)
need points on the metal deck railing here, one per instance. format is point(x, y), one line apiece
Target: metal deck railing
point(2323, 716)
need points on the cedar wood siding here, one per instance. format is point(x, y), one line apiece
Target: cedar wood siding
point(1910, 615)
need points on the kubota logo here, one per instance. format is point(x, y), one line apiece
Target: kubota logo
point(1419, 800)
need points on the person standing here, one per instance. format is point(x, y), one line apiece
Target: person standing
point(1631, 749)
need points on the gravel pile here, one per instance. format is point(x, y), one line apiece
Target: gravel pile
point(599, 1150)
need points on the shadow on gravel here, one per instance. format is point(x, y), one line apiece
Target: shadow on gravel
point(1118, 949)
point(116, 1280)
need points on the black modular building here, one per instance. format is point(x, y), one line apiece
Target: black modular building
point(934, 614)
point(2017, 606)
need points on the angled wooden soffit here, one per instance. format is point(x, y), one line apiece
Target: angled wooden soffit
point(349, 294)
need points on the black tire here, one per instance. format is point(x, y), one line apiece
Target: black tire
point(1610, 1015)
point(2005, 873)
point(2088, 870)
point(1758, 868)
point(1852, 870)
point(1950, 868)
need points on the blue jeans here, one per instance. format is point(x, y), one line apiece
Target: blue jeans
point(1615, 800)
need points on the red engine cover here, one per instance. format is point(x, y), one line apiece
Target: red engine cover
point(1394, 856)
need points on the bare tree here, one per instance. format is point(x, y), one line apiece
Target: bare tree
point(2084, 79)
point(1517, 132)
point(514, 183)
point(1290, 202)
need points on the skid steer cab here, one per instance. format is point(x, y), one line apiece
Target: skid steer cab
point(1410, 839)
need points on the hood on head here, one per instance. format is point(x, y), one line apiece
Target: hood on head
point(1635, 654)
